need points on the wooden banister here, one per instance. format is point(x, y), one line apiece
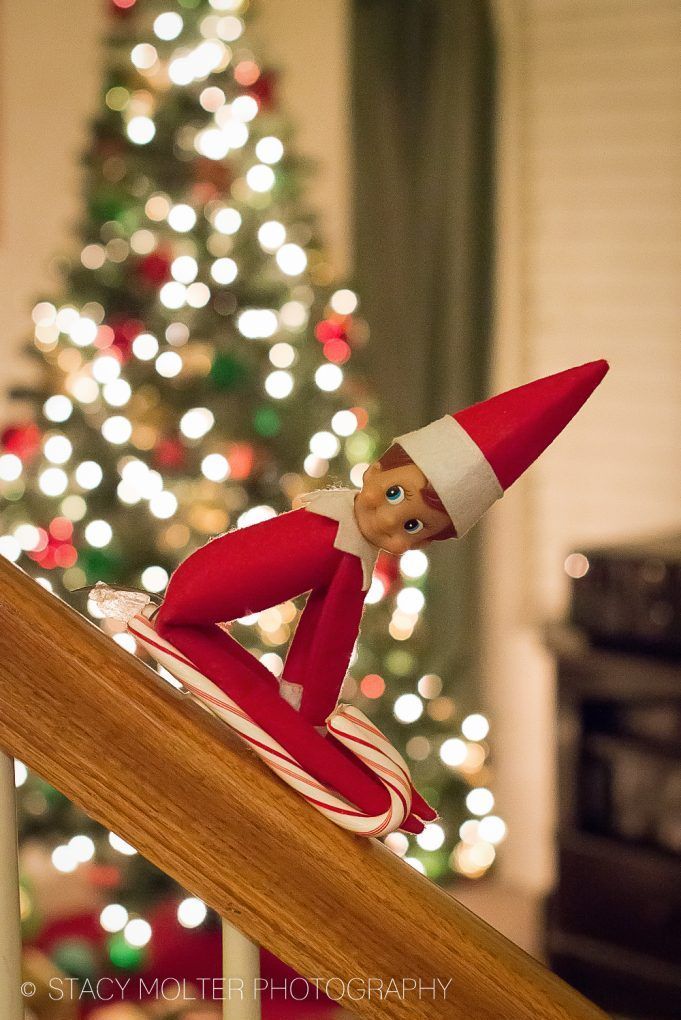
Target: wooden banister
point(172, 780)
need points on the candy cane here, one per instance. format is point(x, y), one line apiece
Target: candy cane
point(347, 723)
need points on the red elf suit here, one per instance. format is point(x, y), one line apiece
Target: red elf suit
point(470, 459)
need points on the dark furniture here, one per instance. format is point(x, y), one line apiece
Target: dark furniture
point(613, 922)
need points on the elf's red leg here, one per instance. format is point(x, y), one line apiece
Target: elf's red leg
point(244, 678)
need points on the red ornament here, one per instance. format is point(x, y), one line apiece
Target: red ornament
point(54, 547)
point(154, 268)
point(125, 331)
point(337, 351)
point(330, 329)
point(241, 458)
point(22, 440)
point(170, 453)
point(264, 90)
point(121, 8)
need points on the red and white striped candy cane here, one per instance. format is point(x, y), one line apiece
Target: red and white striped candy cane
point(347, 724)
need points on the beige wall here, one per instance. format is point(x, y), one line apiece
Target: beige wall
point(49, 77)
point(589, 265)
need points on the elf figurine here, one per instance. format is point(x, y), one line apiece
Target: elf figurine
point(431, 484)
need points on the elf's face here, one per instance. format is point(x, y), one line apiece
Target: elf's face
point(390, 511)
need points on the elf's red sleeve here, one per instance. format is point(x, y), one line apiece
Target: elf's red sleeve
point(245, 571)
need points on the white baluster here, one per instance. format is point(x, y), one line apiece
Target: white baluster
point(11, 1003)
point(240, 974)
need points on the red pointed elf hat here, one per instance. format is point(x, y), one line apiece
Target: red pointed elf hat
point(471, 457)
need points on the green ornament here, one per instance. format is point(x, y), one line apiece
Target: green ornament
point(123, 955)
point(189, 4)
point(266, 421)
point(106, 204)
point(399, 662)
point(98, 564)
point(227, 372)
point(75, 956)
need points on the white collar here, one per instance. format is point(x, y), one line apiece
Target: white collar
point(339, 504)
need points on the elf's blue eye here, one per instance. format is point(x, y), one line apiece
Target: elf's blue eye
point(413, 525)
point(395, 494)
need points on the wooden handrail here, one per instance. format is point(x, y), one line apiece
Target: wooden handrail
point(173, 781)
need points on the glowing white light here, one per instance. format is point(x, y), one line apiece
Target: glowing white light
point(224, 271)
point(184, 268)
point(413, 563)
point(271, 235)
point(53, 481)
point(83, 332)
point(10, 467)
point(126, 641)
point(432, 837)
point(137, 932)
point(106, 368)
point(293, 314)
point(408, 708)
point(173, 295)
point(257, 323)
point(64, 859)
point(212, 98)
point(416, 864)
point(117, 393)
point(291, 259)
point(144, 56)
point(58, 449)
point(328, 377)
point(121, 846)
point(182, 218)
point(480, 801)
point(227, 220)
point(212, 143)
point(140, 130)
point(44, 313)
point(282, 355)
point(344, 302)
point(27, 535)
point(244, 108)
point(67, 317)
point(492, 829)
point(155, 578)
point(324, 444)
point(397, 842)
point(169, 364)
point(315, 467)
point(151, 485)
point(84, 389)
point(74, 507)
point(475, 727)
point(89, 474)
point(10, 548)
point(191, 912)
point(198, 295)
point(357, 473)
point(117, 429)
point(269, 150)
point(576, 565)
point(453, 751)
point(376, 591)
point(83, 847)
point(20, 773)
point(260, 177)
point(163, 505)
point(145, 346)
point(114, 917)
point(235, 132)
point(254, 515)
point(197, 422)
point(142, 242)
point(274, 662)
point(168, 25)
point(57, 408)
point(128, 494)
point(344, 423)
point(279, 384)
point(180, 71)
point(215, 467)
point(98, 534)
point(410, 600)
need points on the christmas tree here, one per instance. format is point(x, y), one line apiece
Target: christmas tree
point(197, 367)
